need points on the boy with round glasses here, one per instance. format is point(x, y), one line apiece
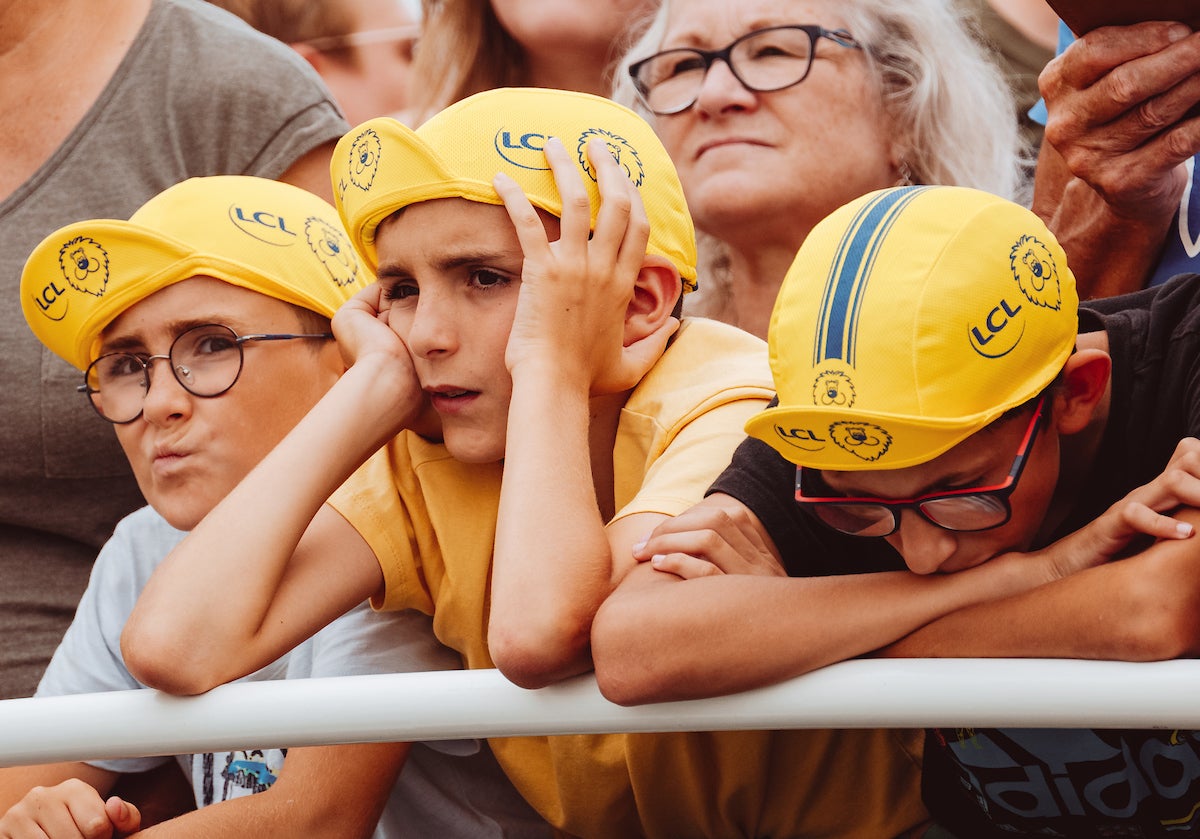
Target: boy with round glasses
point(943, 406)
point(230, 282)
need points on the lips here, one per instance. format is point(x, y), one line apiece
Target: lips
point(726, 141)
point(450, 399)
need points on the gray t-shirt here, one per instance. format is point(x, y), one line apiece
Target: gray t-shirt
point(198, 93)
point(450, 788)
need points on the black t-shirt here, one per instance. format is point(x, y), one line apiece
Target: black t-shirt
point(1048, 782)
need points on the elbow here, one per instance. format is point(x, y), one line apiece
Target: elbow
point(1164, 622)
point(627, 671)
point(160, 662)
point(627, 685)
point(532, 655)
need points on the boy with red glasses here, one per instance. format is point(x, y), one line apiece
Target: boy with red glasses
point(943, 406)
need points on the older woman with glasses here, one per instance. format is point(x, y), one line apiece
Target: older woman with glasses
point(777, 112)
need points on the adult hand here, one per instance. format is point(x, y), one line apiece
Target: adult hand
point(69, 810)
point(1119, 104)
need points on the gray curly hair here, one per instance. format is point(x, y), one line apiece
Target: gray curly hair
point(940, 86)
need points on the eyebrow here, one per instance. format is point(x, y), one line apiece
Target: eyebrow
point(698, 38)
point(399, 271)
point(135, 341)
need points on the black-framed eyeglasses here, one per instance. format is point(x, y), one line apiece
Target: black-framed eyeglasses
point(764, 60)
point(206, 360)
point(962, 510)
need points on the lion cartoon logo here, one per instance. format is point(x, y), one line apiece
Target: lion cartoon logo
point(364, 159)
point(332, 248)
point(624, 153)
point(833, 389)
point(862, 439)
point(84, 264)
point(1036, 273)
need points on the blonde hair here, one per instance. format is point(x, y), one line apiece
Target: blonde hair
point(463, 50)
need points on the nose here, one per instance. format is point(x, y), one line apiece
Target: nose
point(166, 398)
point(433, 330)
point(721, 91)
point(924, 546)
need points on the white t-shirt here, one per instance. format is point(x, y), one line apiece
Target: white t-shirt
point(449, 788)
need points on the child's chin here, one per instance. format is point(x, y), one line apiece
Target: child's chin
point(473, 449)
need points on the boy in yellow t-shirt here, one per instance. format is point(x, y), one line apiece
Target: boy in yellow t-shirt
point(531, 248)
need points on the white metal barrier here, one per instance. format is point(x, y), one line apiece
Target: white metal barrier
point(899, 693)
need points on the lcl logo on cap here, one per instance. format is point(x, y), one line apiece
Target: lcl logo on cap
point(525, 150)
point(262, 225)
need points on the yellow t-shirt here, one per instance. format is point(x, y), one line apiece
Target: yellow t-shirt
point(431, 522)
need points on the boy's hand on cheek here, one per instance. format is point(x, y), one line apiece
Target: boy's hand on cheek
point(575, 292)
point(365, 339)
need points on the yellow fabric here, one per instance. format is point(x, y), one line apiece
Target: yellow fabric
point(263, 235)
point(909, 320)
point(382, 165)
point(431, 522)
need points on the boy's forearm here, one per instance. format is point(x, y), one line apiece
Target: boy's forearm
point(656, 642)
point(552, 565)
point(1143, 608)
point(333, 792)
point(209, 602)
point(16, 781)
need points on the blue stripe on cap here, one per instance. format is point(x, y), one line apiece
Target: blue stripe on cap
point(853, 263)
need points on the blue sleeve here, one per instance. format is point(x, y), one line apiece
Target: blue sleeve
point(1038, 112)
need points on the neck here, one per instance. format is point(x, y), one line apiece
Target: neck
point(569, 73)
point(755, 277)
point(22, 22)
point(46, 26)
point(1078, 452)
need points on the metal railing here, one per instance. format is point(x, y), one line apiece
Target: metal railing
point(898, 693)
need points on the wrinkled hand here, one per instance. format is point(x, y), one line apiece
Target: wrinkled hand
point(1118, 103)
point(717, 536)
point(1144, 511)
point(576, 290)
point(69, 810)
point(364, 335)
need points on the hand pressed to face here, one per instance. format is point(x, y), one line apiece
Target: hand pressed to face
point(363, 331)
point(449, 271)
point(575, 291)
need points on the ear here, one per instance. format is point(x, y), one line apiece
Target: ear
point(655, 293)
point(1079, 399)
point(313, 56)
